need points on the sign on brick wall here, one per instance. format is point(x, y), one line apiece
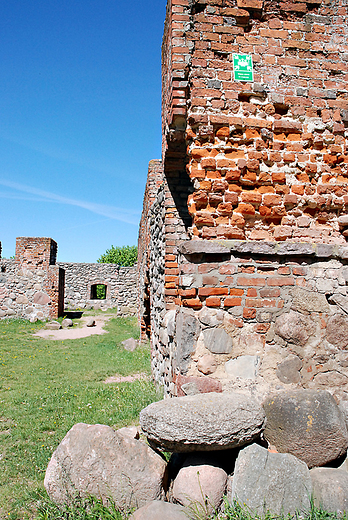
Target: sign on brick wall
point(243, 67)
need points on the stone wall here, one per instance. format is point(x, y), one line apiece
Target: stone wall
point(154, 181)
point(120, 282)
point(31, 285)
point(255, 198)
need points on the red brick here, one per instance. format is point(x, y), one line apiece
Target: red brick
point(269, 293)
point(212, 291)
point(252, 292)
point(232, 302)
point(299, 271)
point(194, 303)
point(213, 301)
point(259, 303)
point(210, 280)
point(284, 270)
point(206, 268)
point(187, 293)
point(280, 281)
point(227, 269)
point(258, 282)
point(236, 292)
point(262, 328)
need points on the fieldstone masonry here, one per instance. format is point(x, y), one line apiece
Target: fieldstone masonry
point(252, 201)
point(33, 286)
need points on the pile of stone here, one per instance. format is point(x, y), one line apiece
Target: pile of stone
point(271, 457)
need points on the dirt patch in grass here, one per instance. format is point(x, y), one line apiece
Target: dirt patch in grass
point(77, 332)
point(126, 379)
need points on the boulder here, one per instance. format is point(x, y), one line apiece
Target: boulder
point(288, 371)
point(97, 460)
point(337, 331)
point(53, 325)
point(186, 332)
point(330, 489)
point(207, 364)
point(67, 322)
point(217, 341)
point(274, 482)
point(198, 385)
point(244, 367)
point(306, 423)
point(90, 322)
point(130, 344)
point(41, 298)
point(200, 481)
point(157, 510)
point(294, 327)
point(202, 422)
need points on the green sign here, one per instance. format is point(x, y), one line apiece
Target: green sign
point(243, 67)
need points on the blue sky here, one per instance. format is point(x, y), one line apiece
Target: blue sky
point(80, 118)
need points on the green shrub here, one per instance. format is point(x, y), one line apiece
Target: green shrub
point(125, 256)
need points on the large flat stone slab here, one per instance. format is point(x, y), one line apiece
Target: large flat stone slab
point(202, 422)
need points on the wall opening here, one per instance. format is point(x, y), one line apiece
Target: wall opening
point(98, 291)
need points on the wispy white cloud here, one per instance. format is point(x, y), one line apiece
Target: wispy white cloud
point(49, 150)
point(111, 212)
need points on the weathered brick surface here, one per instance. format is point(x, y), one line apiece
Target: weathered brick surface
point(280, 140)
point(264, 163)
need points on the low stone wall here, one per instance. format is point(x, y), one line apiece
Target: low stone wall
point(32, 285)
point(253, 315)
point(120, 285)
point(30, 293)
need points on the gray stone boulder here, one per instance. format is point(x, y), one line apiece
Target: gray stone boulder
point(53, 325)
point(202, 422)
point(217, 341)
point(306, 423)
point(244, 367)
point(330, 489)
point(157, 510)
point(288, 371)
point(97, 460)
point(200, 481)
point(275, 482)
point(130, 344)
point(187, 330)
point(67, 322)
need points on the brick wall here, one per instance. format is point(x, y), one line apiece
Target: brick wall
point(255, 184)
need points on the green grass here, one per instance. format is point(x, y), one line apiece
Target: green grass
point(48, 386)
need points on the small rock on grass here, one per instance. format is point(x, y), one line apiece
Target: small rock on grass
point(67, 322)
point(90, 322)
point(130, 344)
point(53, 325)
point(157, 510)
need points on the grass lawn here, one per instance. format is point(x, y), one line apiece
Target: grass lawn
point(47, 386)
